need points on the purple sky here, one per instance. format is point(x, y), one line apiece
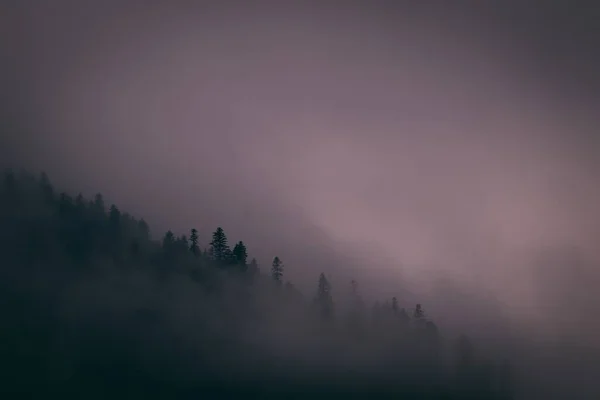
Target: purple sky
point(364, 140)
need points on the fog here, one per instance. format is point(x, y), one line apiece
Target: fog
point(439, 153)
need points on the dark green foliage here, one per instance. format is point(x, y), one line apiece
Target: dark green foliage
point(92, 306)
point(219, 248)
point(194, 248)
point(240, 255)
point(277, 270)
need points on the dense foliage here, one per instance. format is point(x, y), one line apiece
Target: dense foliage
point(92, 306)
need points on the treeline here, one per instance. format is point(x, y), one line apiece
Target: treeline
point(93, 305)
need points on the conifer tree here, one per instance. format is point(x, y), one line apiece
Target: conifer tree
point(99, 203)
point(182, 244)
point(395, 305)
point(79, 201)
point(219, 248)
point(168, 241)
point(194, 248)
point(277, 270)
point(240, 254)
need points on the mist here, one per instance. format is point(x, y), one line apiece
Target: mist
point(446, 155)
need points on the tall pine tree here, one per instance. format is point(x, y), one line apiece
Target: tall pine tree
point(194, 248)
point(277, 270)
point(240, 255)
point(219, 248)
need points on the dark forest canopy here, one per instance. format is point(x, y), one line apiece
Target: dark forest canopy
point(94, 307)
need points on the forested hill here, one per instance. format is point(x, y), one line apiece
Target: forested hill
point(93, 307)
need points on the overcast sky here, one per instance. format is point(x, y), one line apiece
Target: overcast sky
point(390, 139)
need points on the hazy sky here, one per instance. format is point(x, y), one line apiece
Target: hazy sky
point(423, 138)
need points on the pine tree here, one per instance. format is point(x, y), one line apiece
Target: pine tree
point(194, 248)
point(79, 201)
point(168, 242)
point(182, 244)
point(240, 254)
point(218, 246)
point(99, 203)
point(277, 270)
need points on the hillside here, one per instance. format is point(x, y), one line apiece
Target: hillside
point(94, 307)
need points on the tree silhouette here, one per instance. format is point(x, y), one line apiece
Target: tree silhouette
point(99, 203)
point(80, 204)
point(51, 244)
point(219, 248)
point(277, 270)
point(240, 254)
point(194, 248)
point(168, 243)
point(182, 244)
